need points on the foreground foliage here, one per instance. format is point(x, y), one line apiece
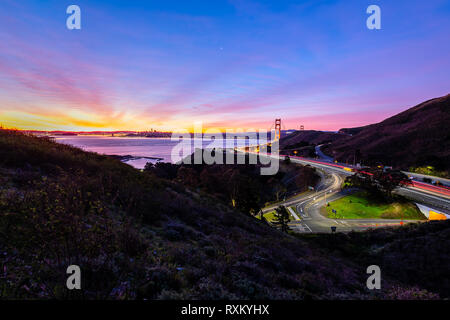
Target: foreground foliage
point(136, 235)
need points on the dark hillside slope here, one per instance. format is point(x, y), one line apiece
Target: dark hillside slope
point(299, 138)
point(351, 131)
point(416, 137)
point(138, 236)
point(416, 253)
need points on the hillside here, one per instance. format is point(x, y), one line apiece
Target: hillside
point(416, 253)
point(239, 185)
point(307, 138)
point(135, 235)
point(139, 236)
point(419, 136)
point(351, 131)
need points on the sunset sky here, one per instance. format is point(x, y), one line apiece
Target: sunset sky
point(136, 65)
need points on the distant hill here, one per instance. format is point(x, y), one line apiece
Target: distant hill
point(351, 131)
point(419, 136)
point(305, 137)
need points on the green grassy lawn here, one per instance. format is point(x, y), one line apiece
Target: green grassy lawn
point(357, 206)
point(270, 216)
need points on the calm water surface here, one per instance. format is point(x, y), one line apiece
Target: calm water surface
point(138, 147)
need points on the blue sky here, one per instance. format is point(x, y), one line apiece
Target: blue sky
point(231, 64)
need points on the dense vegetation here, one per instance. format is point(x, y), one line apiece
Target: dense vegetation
point(429, 170)
point(241, 186)
point(378, 183)
point(136, 235)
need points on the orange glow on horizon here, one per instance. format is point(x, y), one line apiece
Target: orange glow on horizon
point(65, 123)
point(77, 121)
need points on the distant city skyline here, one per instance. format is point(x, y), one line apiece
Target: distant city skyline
point(233, 64)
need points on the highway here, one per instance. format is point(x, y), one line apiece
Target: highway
point(431, 197)
point(421, 177)
point(322, 155)
point(416, 179)
point(308, 218)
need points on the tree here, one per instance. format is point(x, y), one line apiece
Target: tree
point(279, 189)
point(244, 192)
point(427, 180)
point(306, 176)
point(387, 181)
point(282, 218)
point(377, 181)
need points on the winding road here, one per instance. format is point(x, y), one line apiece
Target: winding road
point(308, 218)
